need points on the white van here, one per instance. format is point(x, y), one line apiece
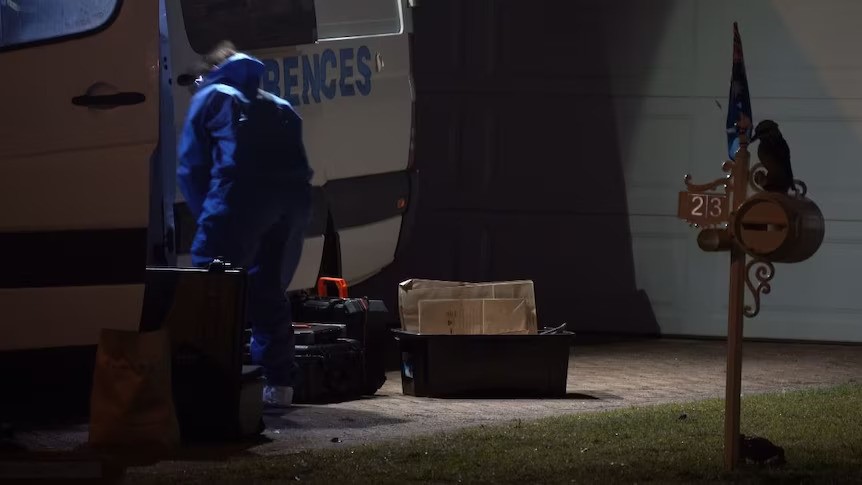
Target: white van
point(353, 90)
point(93, 95)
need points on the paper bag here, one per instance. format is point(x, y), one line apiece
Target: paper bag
point(131, 404)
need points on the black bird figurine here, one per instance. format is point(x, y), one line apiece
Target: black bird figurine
point(760, 451)
point(774, 154)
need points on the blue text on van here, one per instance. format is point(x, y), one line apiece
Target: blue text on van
point(309, 78)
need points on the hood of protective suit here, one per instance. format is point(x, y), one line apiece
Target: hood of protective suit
point(240, 147)
point(240, 71)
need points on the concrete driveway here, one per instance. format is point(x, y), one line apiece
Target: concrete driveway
point(601, 377)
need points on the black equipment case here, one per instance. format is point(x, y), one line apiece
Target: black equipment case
point(330, 367)
point(204, 310)
point(364, 321)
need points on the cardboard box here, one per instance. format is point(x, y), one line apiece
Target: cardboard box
point(474, 317)
point(413, 291)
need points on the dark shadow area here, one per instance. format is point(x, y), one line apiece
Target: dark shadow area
point(72, 438)
point(570, 396)
point(321, 403)
point(304, 417)
point(35, 453)
point(217, 451)
point(47, 386)
point(85, 465)
point(521, 175)
point(600, 395)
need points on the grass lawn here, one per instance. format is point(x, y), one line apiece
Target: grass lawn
point(821, 432)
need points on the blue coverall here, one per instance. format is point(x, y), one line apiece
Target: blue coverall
point(248, 186)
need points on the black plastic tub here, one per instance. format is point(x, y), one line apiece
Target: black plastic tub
point(501, 366)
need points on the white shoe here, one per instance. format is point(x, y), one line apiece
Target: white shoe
point(278, 396)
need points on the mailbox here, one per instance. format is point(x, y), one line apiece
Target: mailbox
point(779, 228)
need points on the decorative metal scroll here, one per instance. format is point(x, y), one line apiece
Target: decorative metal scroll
point(764, 271)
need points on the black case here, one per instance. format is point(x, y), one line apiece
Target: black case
point(304, 334)
point(329, 372)
point(365, 322)
point(204, 310)
point(318, 333)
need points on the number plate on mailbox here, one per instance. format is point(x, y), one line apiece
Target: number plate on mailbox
point(704, 208)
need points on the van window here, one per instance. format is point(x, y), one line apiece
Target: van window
point(352, 18)
point(249, 24)
point(26, 21)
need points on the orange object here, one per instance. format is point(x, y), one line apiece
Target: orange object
point(340, 283)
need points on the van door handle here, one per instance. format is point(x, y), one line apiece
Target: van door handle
point(108, 101)
point(104, 96)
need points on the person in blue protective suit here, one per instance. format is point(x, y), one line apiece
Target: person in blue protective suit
point(244, 173)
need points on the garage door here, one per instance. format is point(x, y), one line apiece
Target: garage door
point(553, 138)
point(803, 72)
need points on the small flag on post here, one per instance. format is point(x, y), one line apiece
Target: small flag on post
point(739, 104)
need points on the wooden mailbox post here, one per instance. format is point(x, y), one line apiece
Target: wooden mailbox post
point(769, 228)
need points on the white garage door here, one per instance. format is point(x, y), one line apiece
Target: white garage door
point(671, 65)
